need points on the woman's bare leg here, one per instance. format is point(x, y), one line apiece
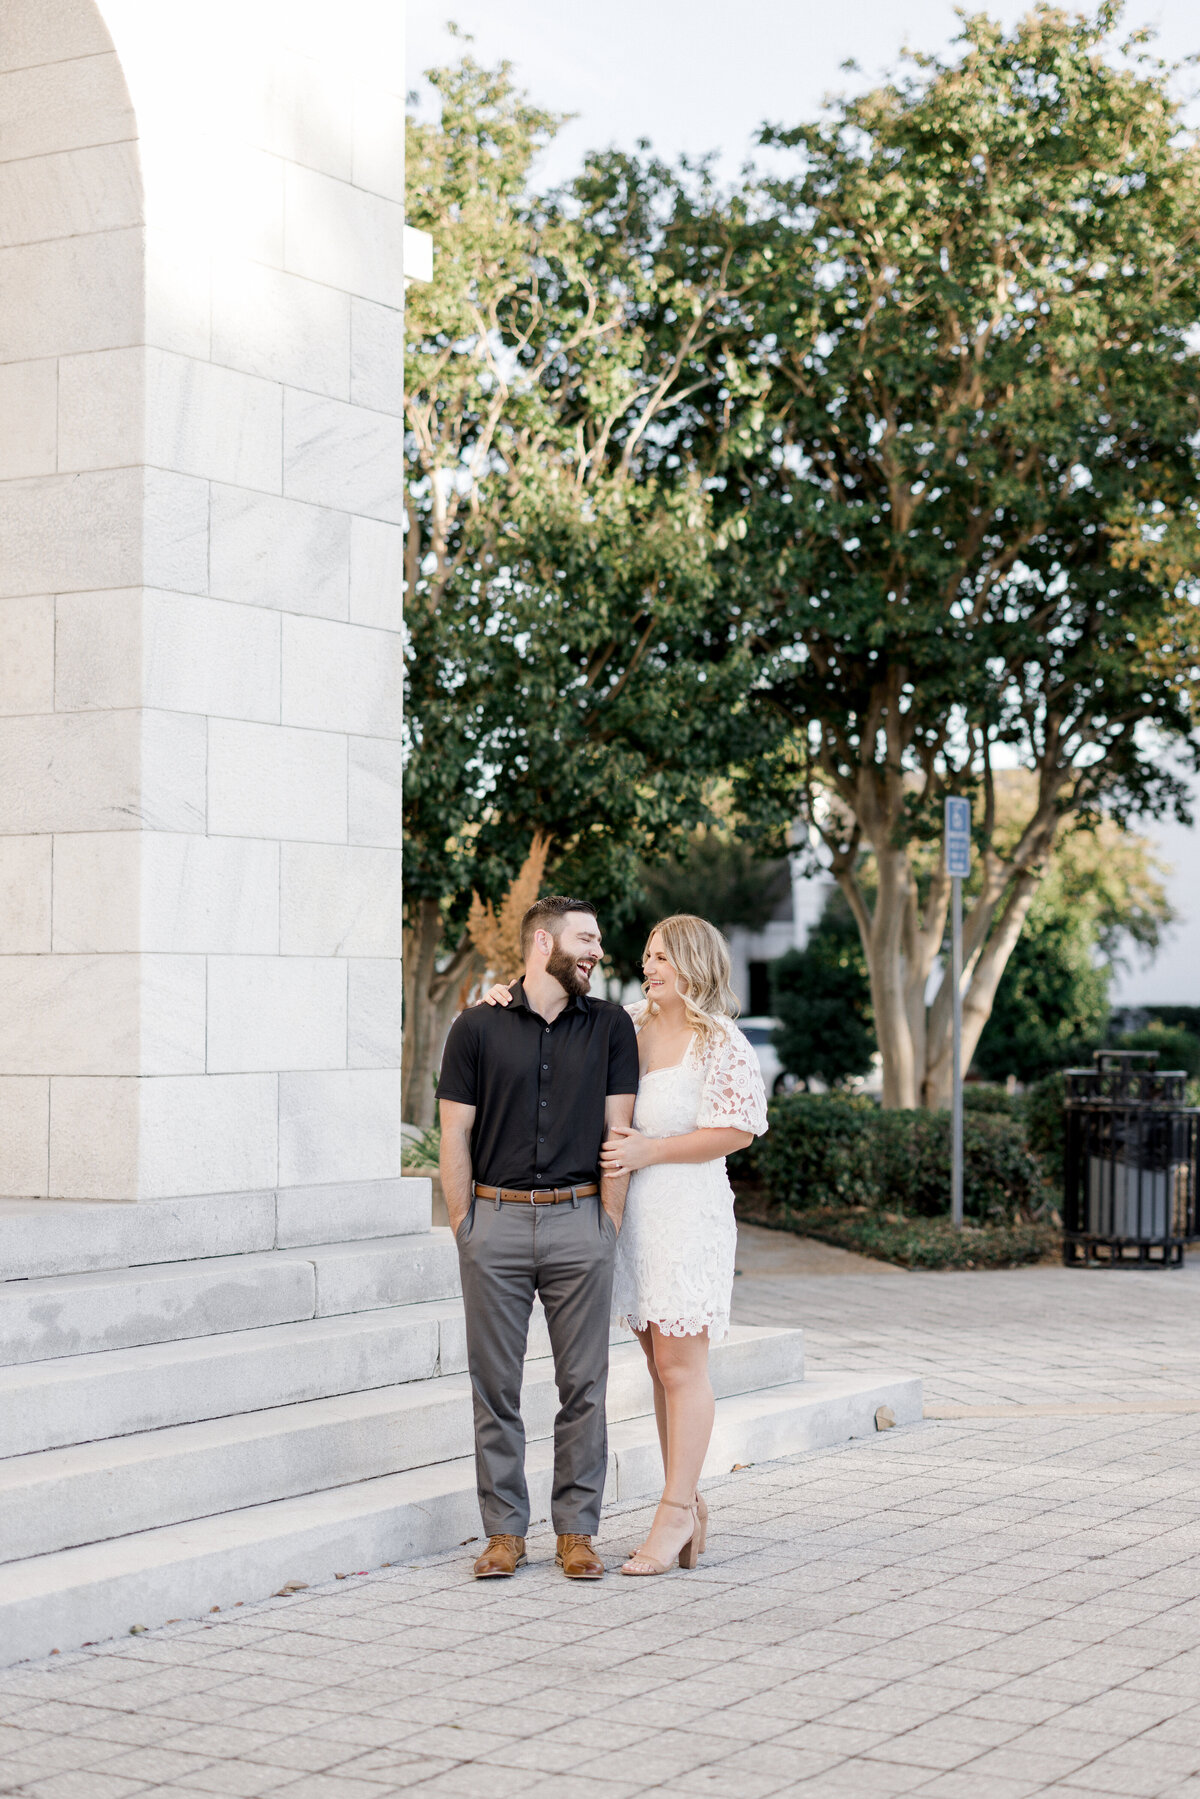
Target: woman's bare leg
point(660, 1397)
point(681, 1365)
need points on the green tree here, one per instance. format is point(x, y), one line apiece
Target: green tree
point(572, 669)
point(969, 504)
point(714, 873)
point(1103, 899)
point(821, 995)
point(1051, 1006)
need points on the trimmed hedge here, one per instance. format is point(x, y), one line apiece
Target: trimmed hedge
point(928, 1242)
point(829, 1150)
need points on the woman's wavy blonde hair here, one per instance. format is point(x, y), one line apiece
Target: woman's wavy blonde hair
point(700, 956)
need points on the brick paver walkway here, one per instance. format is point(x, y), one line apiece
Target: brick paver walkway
point(1000, 1603)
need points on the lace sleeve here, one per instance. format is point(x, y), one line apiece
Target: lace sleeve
point(734, 1097)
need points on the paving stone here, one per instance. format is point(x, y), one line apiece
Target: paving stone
point(973, 1608)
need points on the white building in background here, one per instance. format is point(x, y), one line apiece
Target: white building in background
point(752, 952)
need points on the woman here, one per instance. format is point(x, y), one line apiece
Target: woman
point(700, 1098)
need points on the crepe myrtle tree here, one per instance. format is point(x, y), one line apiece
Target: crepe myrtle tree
point(969, 512)
point(572, 668)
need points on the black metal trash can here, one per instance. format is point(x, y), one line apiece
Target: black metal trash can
point(1130, 1164)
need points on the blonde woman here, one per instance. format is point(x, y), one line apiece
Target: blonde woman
point(700, 1098)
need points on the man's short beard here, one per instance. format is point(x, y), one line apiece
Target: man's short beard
point(566, 973)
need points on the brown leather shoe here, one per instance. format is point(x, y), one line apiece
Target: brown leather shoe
point(577, 1559)
point(503, 1556)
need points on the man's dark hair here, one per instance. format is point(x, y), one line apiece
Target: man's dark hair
point(548, 914)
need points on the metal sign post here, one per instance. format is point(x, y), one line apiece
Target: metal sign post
point(958, 866)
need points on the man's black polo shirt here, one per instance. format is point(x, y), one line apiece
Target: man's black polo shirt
point(538, 1089)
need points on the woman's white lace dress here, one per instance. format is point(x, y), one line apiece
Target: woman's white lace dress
point(674, 1264)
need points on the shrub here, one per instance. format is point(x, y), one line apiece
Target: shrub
point(930, 1242)
point(1044, 1127)
point(815, 1150)
point(986, 1098)
point(840, 1151)
point(1177, 1048)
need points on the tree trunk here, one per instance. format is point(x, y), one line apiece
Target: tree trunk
point(980, 992)
point(431, 999)
point(883, 946)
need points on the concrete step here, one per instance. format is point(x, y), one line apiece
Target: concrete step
point(57, 1601)
point(49, 1237)
point(59, 1498)
point(80, 1314)
point(113, 1393)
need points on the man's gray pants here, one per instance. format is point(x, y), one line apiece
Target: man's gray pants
point(564, 1253)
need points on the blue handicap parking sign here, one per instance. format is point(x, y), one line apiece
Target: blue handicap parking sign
point(958, 837)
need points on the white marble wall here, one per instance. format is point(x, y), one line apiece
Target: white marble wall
point(201, 285)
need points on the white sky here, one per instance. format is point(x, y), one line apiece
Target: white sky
point(700, 75)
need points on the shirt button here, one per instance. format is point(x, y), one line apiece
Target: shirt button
point(541, 1139)
point(545, 1064)
point(545, 1102)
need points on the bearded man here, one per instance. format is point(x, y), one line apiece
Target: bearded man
point(526, 1095)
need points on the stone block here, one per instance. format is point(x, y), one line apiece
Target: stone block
point(86, 1314)
point(71, 294)
point(379, 141)
point(375, 1022)
point(162, 1138)
point(339, 900)
point(102, 771)
point(275, 552)
point(339, 677)
point(175, 541)
point(376, 774)
point(376, 573)
point(62, 1238)
point(27, 655)
point(377, 356)
point(25, 897)
point(166, 892)
point(33, 34)
point(346, 1210)
point(307, 116)
point(272, 1012)
point(59, 533)
point(270, 781)
point(101, 409)
point(341, 235)
point(180, 653)
point(343, 1125)
point(174, 746)
point(213, 422)
point(178, 289)
point(360, 1277)
point(281, 327)
point(64, 106)
point(65, 195)
point(94, 1136)
point(29, 440)
point(253, 210)
point(121, 1015)
point(80, 1399)
point(339, 455)
point(24, 1136)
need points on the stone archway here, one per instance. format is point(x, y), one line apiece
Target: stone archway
point(200, 374)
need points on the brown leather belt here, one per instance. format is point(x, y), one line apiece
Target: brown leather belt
point(540, 1196)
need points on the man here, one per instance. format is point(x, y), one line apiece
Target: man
point(527, 1093)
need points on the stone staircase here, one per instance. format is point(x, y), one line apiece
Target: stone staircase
point(201, 1400)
